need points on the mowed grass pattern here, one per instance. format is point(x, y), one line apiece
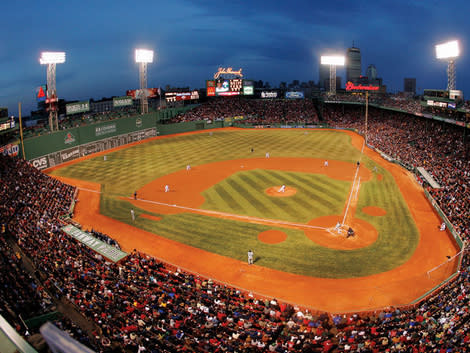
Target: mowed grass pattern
point(243, 193)
point(129, 169)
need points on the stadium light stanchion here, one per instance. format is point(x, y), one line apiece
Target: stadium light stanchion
point(333, 61)
point(143, 57)
point(51, 59)
point(449, 51)
point(367, 114)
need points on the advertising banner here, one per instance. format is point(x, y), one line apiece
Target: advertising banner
point(12, 149)
point(294, 94)
point(77, 107)
point(122, 101)
point(105, 129)
point(267, 94)
point(149, 92)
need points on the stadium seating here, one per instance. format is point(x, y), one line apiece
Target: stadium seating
point(142, 303)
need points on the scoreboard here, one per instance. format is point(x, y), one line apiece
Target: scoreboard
point(229, 87)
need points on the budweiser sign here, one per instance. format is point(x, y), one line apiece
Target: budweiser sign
point(352, 87)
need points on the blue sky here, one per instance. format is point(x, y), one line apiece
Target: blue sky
point(272, 41)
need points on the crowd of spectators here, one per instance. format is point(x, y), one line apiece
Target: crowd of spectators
point(259, 111)
point(418, 142)
point(142, 304)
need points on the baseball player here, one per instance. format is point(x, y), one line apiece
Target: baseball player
point(325, 163)
point(267, 154)
point(338, 227)
point(282, 189)
point(250, 257)
point(132, 215)
point(167, 188)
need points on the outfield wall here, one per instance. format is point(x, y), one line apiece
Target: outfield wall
point(61, 146)
point(65, 145)
point(169, 129)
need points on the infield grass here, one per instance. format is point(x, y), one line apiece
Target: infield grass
point(131, 168)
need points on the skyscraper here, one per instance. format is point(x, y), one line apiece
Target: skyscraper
point(372, 72)
point(353, 64)
point(409, 85)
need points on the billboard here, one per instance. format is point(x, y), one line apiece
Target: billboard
point(77, 107)
point(41, 92)
point(229, 87)
point(122, 101)
point(7, 124)
point(12, 149)
point(295, 94)
point(268, 94)
point(181, 96)
point(352, 87)
point(248, 87)
point(149, 92)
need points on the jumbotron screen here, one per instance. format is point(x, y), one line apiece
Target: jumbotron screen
point(229, 87)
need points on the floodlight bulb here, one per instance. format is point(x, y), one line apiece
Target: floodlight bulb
point(448, 50)
point(52, 57)
point(337, 60)
point(143, 56)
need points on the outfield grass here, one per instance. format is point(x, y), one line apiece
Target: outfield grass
point(129, 169)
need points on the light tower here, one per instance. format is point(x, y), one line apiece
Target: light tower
point(143, 57)
point(333, 61)
point(449, 51)
point(51, 59)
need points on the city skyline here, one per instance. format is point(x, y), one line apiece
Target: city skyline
point(275, 43)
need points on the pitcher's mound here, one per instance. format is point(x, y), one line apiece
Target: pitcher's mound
point(274, 191)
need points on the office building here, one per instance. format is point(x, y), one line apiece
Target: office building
point(409, 85)
point(353, 64)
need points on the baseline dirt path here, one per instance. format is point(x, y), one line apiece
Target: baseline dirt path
point(398, 286)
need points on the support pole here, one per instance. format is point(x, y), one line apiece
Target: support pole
point(21, 130)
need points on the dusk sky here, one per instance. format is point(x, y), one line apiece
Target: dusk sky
point(272, 41)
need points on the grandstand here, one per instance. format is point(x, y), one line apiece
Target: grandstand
point(141, 303)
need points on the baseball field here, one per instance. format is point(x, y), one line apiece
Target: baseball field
point(225, 198)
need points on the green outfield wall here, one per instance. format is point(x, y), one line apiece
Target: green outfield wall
point(65, 139)
point(169, 129)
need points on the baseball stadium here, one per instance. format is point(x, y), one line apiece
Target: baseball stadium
point(240, 224)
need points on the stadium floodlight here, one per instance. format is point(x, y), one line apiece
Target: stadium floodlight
point(333, 61)
point(143, 56)
point(448, 50)
point(52, 58)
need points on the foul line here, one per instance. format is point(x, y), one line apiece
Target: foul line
point(226, 215)
point(353, 185)
point(231, 215)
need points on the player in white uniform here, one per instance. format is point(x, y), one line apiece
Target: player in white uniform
point(325, 163)
point(132, 214)
point(267, 154)
point(250, 257)
point(167, 188)
point(338, 227)
point(282, 189)
point(188, 167)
